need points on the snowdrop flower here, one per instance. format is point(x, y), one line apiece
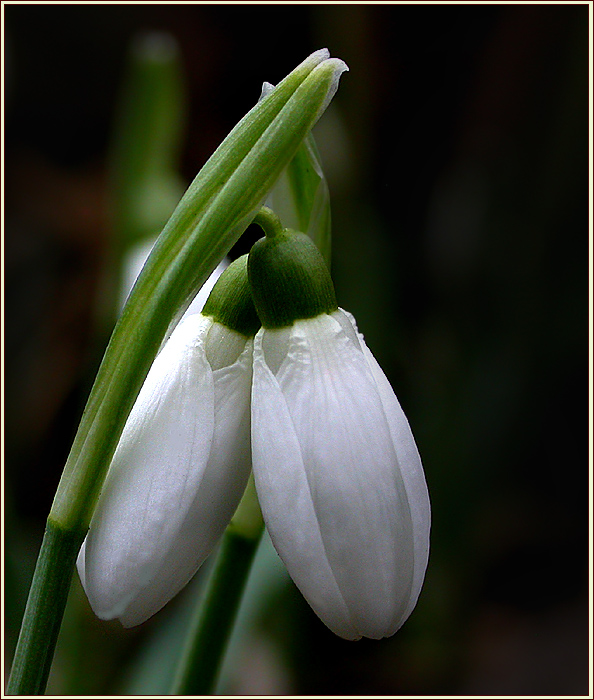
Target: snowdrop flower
point(182, 463)
point(338, 474)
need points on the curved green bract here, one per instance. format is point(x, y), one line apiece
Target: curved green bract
point(301, 197)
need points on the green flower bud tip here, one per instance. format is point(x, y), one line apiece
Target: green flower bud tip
point(288, 276)
point(230, 302)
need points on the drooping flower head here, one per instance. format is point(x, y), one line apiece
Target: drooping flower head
point(338, 474)
point(182, 462)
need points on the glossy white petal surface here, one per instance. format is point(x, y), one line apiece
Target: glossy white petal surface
point(411, 468)
point(328, 479)
point(176, 477)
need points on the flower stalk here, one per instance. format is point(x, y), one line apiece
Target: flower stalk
point(269, 222)
point(214, 212)
point(44, 611)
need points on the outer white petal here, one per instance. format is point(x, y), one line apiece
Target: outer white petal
point(350, 492)
point(144, 542)
point(285, 499)
point(411, 468)
point(223, 482)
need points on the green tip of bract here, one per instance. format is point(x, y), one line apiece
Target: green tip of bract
point(230, 302)
point(331, 69)
point(289, 279)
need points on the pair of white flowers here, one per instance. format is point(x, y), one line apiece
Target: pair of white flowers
point(338, 476)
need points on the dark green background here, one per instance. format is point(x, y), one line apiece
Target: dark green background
point(456, 153)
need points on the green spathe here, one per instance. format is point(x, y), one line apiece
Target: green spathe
point(230, 302)
point(289, 278)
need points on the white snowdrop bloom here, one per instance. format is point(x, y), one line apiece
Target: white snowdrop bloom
point(338, 474)
point(181, 465)
point(339, 477)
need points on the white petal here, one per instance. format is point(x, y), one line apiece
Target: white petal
point(285, 499)
point(223, 482)
point(144, 542)
point(411, 468)
point(348, 475)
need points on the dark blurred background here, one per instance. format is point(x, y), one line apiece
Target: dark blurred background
point(456, 152)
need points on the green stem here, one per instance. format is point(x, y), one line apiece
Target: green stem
point(269, 222)
point(216, 209)
point(215, 616)
point(44, 611)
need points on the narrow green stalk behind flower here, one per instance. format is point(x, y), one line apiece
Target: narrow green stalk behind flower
point(145, 183)
point(214, 212)
point(216, 612)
